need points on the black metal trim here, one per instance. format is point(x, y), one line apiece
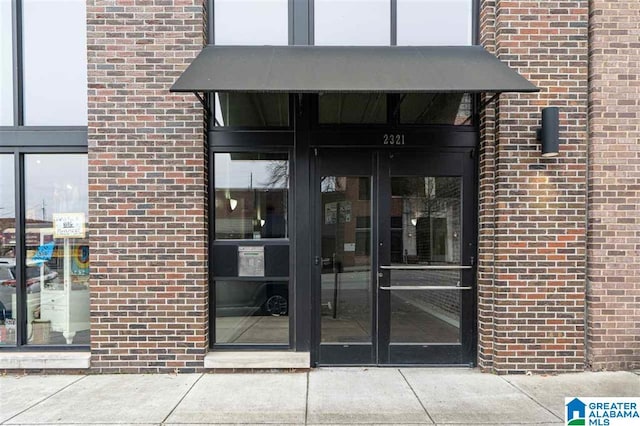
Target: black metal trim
point(21, 291)
point(245, 141)
point(18, 64)
point(44, 137)
point(210, 37)
point(394, 23)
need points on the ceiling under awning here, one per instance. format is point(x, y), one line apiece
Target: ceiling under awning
point(353, 69)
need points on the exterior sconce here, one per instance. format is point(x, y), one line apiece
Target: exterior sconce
point(549, 133)
point(233, 203)
point(262, 221)
point(414, 221)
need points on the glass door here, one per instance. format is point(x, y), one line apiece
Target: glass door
point(396, 258)
point(426, 250)
point(346, 261)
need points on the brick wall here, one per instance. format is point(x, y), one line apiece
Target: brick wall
point(147, 192)
point(613, 326)
point(532, 230)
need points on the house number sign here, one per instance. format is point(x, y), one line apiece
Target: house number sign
point(393, 139)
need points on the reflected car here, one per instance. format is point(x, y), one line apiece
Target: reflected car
point(250, 298)
point(36, 275)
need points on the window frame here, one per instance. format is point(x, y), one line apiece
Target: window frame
point(301, 25)
point(252, 147)
point(19, 153)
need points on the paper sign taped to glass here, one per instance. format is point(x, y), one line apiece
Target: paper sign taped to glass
point(68, 225)
point(251, 261)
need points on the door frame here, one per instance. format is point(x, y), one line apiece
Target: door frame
point(435, 140)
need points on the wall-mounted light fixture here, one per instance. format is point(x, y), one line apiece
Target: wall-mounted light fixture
point(233, 203)
point(549, 132)
point(414, 221)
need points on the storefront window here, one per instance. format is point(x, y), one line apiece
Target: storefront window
point(251, 22)
point(258, 110)
point(435, 22)
point(352, 108)
point(436, 108)
point(57, 249)
point(55, 78)
point(7, 251)
point(252, 312)
point(6, 64)
point(251, 195)
point(352, 22)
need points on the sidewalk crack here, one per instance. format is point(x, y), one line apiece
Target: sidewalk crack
point(43, 400)
point(306, 404)
point(181, 399)
point(530, 397)
point(417, 397)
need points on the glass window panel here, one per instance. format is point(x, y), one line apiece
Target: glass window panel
point(426, 231)
point(352, 22)
point(57, 244)
point(435, 22)
point(251, 22)
point(436, 108)
point(346, 260)
point(55, 62)
point(6, 64)
point(7, 251)
point(259, 110)
point(352, 108)
point(251, 195)
point(252, 312)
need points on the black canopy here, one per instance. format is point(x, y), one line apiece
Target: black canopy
point(325, 69)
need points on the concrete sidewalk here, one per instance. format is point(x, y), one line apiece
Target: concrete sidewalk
point(323, 396)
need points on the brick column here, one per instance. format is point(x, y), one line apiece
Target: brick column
point(537, 293)
point(147, 188)
point(613, 327)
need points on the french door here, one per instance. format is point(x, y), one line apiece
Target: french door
point(395, 247)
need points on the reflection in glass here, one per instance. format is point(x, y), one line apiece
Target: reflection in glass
point(352, 108)
point(55, 79)
point(251, 22)
point(7, 251)
point(57, 249)
point(252, 312)
point(436, 108)
point(425, 230)
point(352, 22)
point(251, 110)
point(251, 195)
point(435, 22)
point(346, 259)
point(6, 64)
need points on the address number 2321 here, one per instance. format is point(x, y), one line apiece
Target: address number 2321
point(393, 139)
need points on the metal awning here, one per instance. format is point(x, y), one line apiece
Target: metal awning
point(314, 69)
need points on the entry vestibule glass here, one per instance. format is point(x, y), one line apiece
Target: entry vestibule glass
point(57, 249)
point(425, 231)
point(352, 22)
point(346, 259)
point(6, 64)
point(252, 312)
point(435, 22)
point(251, 195)
point(352, 108)
point(260, 110)
point(436, 108)
point(251, 22)
point(55, 62)
point(7, 251)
